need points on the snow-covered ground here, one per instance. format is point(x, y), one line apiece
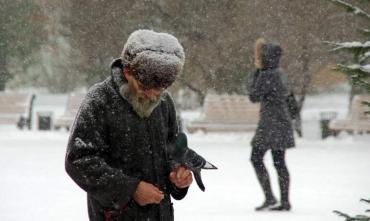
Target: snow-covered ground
point(325, 175)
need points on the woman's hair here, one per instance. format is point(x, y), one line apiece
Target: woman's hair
point(258, 53)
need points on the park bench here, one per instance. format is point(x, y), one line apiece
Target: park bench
point(226, 113)
point(67, 119)
point(357, 120)
point(16, 108)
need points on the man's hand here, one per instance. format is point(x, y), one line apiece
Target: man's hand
point(147, 193)
point(181, 177)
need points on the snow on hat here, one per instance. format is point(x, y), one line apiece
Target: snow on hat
point(155, 58)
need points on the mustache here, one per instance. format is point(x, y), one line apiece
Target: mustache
point(143, 106)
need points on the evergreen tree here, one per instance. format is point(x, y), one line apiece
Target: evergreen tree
point(359, 70)
point(357, 217)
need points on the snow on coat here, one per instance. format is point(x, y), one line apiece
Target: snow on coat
point(111, 149)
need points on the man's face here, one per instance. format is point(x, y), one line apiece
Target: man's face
point(141, 90)
point(143, 99)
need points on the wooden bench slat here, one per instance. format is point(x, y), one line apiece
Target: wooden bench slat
point(16, 108)
point(73, 104)
point(228, 113)
point(12, 109)
point(356, 120)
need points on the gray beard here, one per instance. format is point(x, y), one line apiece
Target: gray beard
point(143, 107)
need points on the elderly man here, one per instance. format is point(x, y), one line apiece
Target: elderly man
point(117, 151)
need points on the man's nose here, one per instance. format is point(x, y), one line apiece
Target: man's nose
point(151, 93)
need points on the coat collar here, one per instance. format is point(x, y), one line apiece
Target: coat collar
point(116, 73)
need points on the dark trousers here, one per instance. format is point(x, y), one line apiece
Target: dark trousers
point(263, 176)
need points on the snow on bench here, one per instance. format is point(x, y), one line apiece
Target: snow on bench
point(226, 113)
point(16, 108)
point(73, 104)
point(357, 120)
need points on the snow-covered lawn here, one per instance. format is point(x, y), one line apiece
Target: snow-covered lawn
point(326, 175)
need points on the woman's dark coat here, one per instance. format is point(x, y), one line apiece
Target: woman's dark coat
point(111, 149)
point(274, 129)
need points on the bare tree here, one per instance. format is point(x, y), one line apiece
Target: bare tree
point(218, 36)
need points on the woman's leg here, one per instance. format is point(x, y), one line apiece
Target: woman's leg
point(284, 178)
point(263, 176)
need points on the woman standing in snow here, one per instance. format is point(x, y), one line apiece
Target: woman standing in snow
point(274, 131)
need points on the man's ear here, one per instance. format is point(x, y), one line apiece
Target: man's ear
point(127, 73)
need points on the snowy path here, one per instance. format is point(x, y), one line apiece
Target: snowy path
point(326, 175)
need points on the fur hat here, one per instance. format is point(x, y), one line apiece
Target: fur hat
point(155, 58)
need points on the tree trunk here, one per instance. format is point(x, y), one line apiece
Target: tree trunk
point(355, 89)
point(307, 77)
point(4, 75)
point(2, 85)
point(196, 90)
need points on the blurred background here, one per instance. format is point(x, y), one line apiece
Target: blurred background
point(52, 51)
point(65, 46)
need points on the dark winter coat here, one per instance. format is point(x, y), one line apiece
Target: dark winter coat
point(274, 129)
point(111, 149)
